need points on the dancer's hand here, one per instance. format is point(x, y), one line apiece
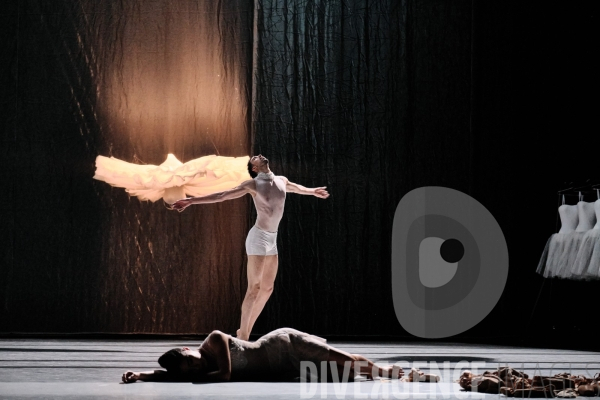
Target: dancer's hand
point(182, 204)
point(130, 377)
point(321, 193)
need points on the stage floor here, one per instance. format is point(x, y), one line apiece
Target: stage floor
point(84, 369)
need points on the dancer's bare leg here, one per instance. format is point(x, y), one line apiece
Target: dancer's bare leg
point(368, 367)
point(267, 282)
point(254, 272)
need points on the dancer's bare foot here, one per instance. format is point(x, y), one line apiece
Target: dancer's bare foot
point(400, 372)
point(416, 375)
point(241, 335)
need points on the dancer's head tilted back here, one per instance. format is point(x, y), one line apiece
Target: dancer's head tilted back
point(258, 164)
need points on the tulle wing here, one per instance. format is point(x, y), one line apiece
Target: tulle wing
point(198, 177)
point(143, 181)
point(221, 173)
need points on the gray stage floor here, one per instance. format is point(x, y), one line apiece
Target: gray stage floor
point(84, 369)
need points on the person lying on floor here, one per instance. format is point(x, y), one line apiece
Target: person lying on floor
point(276, 356)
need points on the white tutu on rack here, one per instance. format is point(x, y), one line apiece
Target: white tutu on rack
point(587, 263)
point(568, 255)
point(172, 179)
point(550, 262)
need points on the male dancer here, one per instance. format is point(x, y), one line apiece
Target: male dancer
point(268, 191)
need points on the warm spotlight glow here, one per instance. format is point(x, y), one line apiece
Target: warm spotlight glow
point(172, 179)
point(174, 86)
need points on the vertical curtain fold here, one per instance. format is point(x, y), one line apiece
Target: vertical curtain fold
point(369, 98)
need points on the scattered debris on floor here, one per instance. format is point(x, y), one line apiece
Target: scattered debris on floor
point(513, 383)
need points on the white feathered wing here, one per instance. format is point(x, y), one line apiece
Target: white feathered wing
point(172, 179)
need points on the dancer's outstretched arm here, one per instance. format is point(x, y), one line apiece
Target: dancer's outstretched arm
point(248, 186)
point(319, 192)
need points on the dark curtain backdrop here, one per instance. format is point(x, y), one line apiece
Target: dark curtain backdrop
point(369, 98)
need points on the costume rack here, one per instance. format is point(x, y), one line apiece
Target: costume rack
point(578, 190)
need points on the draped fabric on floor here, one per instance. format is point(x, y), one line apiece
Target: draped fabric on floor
point(369, 98)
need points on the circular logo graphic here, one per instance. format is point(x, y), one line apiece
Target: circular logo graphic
point(449, 262)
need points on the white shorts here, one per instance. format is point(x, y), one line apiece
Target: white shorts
point(261, 243)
